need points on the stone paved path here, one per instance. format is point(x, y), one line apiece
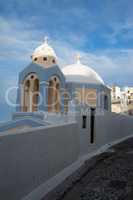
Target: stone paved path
point(110, 179)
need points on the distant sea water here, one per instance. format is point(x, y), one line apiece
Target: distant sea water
point(5, 112)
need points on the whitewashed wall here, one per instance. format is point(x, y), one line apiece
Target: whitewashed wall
point(111, 126)
point(28, 159)
point(108, 128)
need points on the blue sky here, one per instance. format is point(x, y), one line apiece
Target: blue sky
point(101, 31)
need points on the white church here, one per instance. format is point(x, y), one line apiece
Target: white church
point(46, 88)
point(63, 117)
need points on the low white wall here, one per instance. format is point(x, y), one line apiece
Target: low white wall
point(108, 127)
point(111, 126)
point(28, 159)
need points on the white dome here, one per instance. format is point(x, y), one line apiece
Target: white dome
point(81, 73)
point(44, 50)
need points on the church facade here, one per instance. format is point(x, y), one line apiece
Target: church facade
point(45, 87)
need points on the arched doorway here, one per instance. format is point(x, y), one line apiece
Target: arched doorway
point(35, 95)
point(26, 100)
point(54, 95)
point(30, 93)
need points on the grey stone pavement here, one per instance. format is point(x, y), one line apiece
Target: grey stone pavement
point(108, 176)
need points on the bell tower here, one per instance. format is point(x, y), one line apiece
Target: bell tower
point(44, 55)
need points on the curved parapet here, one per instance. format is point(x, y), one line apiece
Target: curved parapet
point(22, 123)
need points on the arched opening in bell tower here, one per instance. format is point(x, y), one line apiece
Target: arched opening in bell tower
point(30, 93)
point(54, 95)
point(35, 95)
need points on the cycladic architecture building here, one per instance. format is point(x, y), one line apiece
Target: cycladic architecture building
point(122, 100)
point(46, 88)
point(63, 116)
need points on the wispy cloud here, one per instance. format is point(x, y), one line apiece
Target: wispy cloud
point(101, 32)
point(19, 44)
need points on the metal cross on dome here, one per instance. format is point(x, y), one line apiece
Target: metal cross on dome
point(46, 40)
point(78, 58)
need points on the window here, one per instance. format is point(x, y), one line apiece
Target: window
point(30, 93)
point(45, 58)
point(106, 102)
point(84, 118)
point(35, 59)
point(32, 77)
point(53, 60)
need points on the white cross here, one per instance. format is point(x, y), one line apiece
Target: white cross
point(46, 40)
point(78, 57)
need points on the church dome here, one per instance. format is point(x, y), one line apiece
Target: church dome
point(44, 54)
point(81, 74)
